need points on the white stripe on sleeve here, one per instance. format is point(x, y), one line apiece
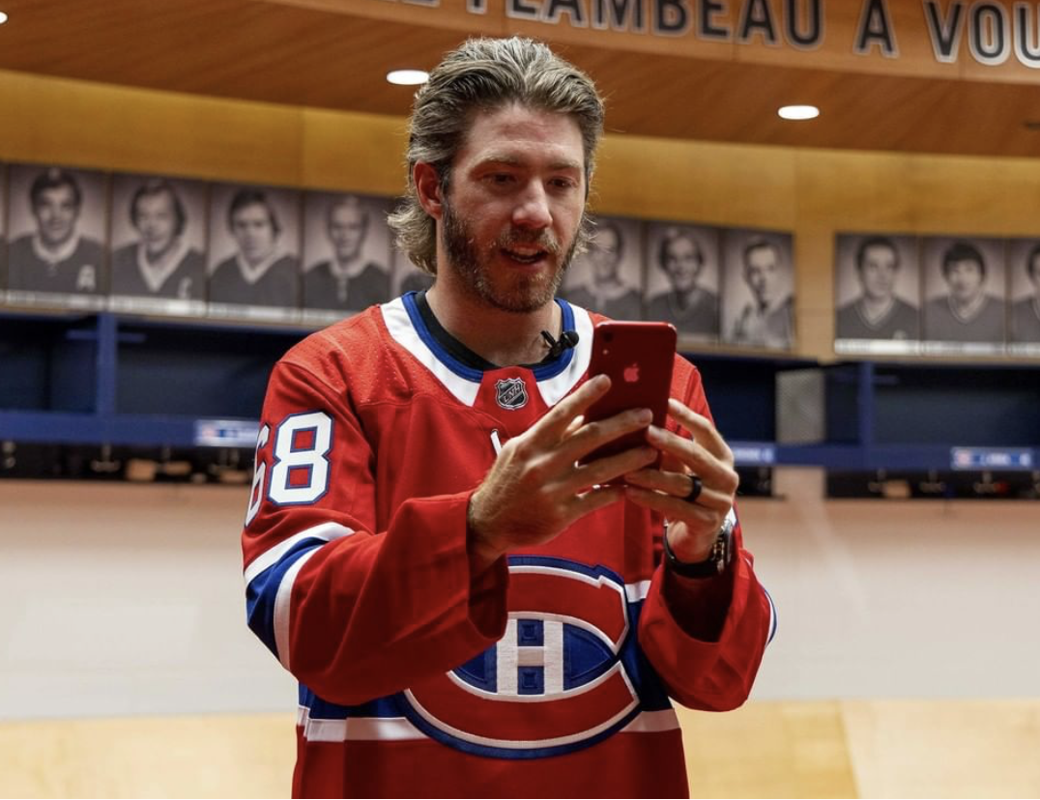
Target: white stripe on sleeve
point(327, 531)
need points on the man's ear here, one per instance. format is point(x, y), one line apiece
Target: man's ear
point(428, 189)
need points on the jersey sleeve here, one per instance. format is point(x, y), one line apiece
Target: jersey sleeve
point(353, 612)
point(709, 675)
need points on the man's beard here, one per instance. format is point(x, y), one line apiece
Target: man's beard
point(519, 294)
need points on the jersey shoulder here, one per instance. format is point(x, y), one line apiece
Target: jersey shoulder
point(359, 357)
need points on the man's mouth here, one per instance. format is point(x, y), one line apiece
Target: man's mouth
point(525, 255)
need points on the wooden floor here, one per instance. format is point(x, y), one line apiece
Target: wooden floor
point(766, 749)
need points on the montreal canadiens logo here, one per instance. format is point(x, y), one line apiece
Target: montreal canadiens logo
point(556, 682)
point(511, 393)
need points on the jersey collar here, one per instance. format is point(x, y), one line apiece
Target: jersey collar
point(462, 371)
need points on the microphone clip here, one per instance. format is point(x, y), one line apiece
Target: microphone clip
point(567, 340)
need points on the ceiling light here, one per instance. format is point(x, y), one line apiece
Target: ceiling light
point(407, 77)
point(799, 112)
point(3, 17)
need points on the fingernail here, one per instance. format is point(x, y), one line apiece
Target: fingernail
point(656, 432)
point(645, 416)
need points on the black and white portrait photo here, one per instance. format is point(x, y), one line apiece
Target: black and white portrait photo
point(1024, 284)
point(408, 277)
point(57, 230)
point(964, 291)
point(758, 289)
point(158, 240)
point(877, 293)
point(3, 229)
point(254, 251)
point(682, 278)
point(346, 252)
point(606, 278)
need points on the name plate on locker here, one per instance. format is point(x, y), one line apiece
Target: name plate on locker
point(753, 456)
point(975, 458)
point(225, 433)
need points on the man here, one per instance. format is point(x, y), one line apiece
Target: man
point(608, 293)
point(1025, 313)
point(688, 306)
point(346, 282)
point(261, 273)
point(56, 258)
point(162, 263)
point(967, 313)
point(878, 313)
point(768, 320)
point(468, 610)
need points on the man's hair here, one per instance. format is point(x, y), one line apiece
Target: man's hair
point(251, 197)
point(1031, 259)
point(673, 235)
point(874, 241)
point(962, 251)
point(54, 178)
point(759, 244)
point(153, 188)
point(484, 75)
point(346, 201)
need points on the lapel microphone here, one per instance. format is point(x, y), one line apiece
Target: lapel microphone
point(567, 340)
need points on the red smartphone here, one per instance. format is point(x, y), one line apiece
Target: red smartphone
point(638, 359)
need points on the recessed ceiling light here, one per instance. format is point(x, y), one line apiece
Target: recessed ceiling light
point(3, 17)
point(407, 77)
point(799, 112)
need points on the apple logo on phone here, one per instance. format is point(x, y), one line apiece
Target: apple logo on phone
point(631, 373)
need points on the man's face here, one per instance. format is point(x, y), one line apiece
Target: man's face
point(878, 272)
point(56, 212)
point(252, 229)
point(605, 255)
point(511, 218)
point(347, 228)
point(762, 274)
point(156, 221)
point(1034, 273)
point(964, 279)
point(683, 264)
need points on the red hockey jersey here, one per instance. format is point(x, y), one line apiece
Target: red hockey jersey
point(548, 676)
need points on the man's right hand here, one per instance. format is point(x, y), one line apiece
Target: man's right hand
point(537, 488)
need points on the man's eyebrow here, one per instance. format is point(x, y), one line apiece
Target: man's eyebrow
point(508, 160)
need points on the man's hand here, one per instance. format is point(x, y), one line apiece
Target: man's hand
point(536, 488)
point(694, 522)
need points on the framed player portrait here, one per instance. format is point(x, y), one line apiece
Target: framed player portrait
point(3, 230)
point(758, 292)
point(1023, 264)
point(408, 277)
point(607, 277)
point(682, 278)
point(57, 224)
point(346, 254)
point(877, 293)
point(964, 290)
point(158, 245)
point(254, 252)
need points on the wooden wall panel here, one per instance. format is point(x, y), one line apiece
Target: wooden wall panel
point(95, 125)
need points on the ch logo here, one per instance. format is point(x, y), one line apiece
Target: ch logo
point(555, 683)
point(511, 393)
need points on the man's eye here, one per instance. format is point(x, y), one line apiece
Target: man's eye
point(501, 177)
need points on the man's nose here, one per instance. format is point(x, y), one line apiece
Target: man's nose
point(532, 210)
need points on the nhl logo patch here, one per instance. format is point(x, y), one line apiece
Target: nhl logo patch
point(511, 393)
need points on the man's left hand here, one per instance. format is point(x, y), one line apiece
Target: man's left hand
point(694, 517)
